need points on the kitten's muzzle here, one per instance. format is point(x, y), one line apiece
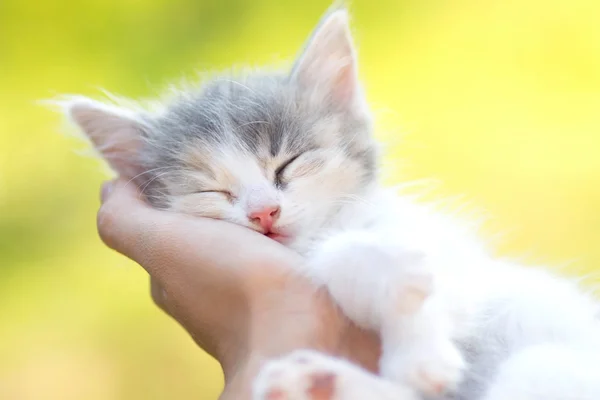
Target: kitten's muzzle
point(265, 217)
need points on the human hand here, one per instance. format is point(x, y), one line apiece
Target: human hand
point(233, 289)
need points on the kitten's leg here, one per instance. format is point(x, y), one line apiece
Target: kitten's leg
point(382, 286)
point(419, 350)
point(548, 372)
point(309, 375)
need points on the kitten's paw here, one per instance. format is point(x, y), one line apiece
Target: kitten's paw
point(410, 286)
point(406, 278)
point(372, 279)
point(303, 375)
point(309, 375)
point(433, 370)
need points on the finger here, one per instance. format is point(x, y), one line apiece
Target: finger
point(106, 190)
point(119, 198)
point(158, 294)
point(161, 240)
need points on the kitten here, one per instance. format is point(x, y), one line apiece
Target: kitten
point(291, 155)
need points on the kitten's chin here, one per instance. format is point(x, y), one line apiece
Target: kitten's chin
point(300, 244)
point(299, 240)
point(278, 237)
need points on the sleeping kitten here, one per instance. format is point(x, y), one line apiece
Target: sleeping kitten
point(291, 155)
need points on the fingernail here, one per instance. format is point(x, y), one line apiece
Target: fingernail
point(107, 188)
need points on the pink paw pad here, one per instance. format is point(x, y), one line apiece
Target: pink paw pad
point(275, 394)
point(322, 386)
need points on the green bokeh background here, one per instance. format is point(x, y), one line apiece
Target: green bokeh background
point(498, 100)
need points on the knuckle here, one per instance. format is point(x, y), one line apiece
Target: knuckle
point(105, 221)
point(158, 294)
point(147, 242)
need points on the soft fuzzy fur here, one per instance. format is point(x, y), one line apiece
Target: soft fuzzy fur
point(455, 323)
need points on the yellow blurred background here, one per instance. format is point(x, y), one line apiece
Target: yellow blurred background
point(498, 100)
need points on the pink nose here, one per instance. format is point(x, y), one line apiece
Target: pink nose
point(265, 217)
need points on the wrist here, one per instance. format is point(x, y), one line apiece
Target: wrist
point(239, 378)
point(314, 323)
point(307, 320)
point(355, 345)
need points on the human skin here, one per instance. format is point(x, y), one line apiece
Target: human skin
point(232, 289)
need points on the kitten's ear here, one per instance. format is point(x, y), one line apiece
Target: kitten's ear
point(115, 132)
point(328, 61)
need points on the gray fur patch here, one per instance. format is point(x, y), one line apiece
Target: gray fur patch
point(266, 115)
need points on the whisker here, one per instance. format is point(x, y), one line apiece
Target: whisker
point(142, 190)
point(147, 172)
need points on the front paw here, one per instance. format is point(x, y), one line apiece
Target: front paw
point(303, 375)
point(431, 368)
point(372, 277)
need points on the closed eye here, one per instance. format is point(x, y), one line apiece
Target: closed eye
point(279, 171)
point(225, 193)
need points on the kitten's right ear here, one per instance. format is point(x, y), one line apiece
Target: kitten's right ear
point(116, 132)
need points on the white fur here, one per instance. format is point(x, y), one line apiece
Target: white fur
point(526, 333)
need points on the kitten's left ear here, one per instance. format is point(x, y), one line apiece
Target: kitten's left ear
point(328, 62)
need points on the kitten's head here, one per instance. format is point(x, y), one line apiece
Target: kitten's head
point(282, 154)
